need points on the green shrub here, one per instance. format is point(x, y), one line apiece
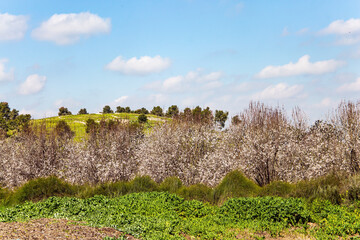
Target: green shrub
point(143, 184)
point(235, 184)
point(199, 192)
point(171, 185)
point(107, 189)
point(277, 188)
point(326, 187)
point(41, 188)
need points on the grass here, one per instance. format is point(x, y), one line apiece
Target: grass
point(77, 123)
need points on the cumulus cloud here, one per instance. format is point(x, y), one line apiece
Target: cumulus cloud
point(139, 66)
point(194, 80)
point(5, 76)
point(121, 99)
point(279, 91)
point(347, 31)
point(302, 67)
point(12, 27)
point(69, 28)
point(33, 84)
point(350, 87)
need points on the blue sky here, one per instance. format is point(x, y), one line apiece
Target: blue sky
point(219, 53)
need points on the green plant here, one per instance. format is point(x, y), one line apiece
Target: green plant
point(277, 188)
point(143, 184)
point(142, 118)
point(170, 184)
point(41, 188)
point(235, 184)
point(199, 192)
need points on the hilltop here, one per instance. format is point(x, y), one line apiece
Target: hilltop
point(77, 123)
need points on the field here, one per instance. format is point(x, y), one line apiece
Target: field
point(77, 123)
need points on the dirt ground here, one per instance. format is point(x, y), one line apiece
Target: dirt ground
point(55, 229)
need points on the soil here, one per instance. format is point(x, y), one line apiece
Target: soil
point(55, 229)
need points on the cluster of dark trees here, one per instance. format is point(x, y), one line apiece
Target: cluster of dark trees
point(196, 114)
point(11, 121)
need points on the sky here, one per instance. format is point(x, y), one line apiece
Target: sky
point(217, 53)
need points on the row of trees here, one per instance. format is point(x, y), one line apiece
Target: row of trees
point(196, 114)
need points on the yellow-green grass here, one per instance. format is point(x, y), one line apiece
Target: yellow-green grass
point(77, 123)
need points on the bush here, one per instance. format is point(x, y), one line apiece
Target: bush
point(171, 185)
point(142, 118)
point(42, 188)
point(107, 109)
point(235, 184)
point(82, 111)
point(143, 184)
point(325, 187)
point(63, 111)
point(63, 130)
point(353, 188)
point(277, 188)
point(107, 189)
point(199, 192)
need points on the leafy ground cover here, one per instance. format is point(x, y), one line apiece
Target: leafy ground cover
point(161, 215)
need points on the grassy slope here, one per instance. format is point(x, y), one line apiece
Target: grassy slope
point(77, 123)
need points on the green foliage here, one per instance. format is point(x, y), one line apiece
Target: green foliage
point(277, 188)
point(120, 109)
point(41, 188)
point(326, 187)
point(142, 118)
point(143, 184)
point(172, 111)
point(10, 120)
point(158, 111)
point(82, 111)
point(199, 192)
point(221, 117)
point(160, 215)
point(107, 109)
point(141, 111)
point(91, 125)
point(170, 184)
point(63, 111)
point(235, 184)
point(63, 130)
point(107, 189)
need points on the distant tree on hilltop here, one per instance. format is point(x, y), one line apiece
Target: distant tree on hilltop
point(63, 111)
point(82, 111)
point(107, 109)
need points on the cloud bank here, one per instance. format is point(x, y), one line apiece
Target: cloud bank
point(302, 67)
point(64, 29)
point(12, 27)
point(139, 66)
point(33, 84)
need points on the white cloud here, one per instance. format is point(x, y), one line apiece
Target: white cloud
point(121, 99)
point(192, 81)
point(142, 66)
point(69, 28)
point(347, 31)
point(302, 31)
point(302, 67)
point(33, 84)
point(350, 87)
point(279, 91)
point(5, 76)
point(12, 27)
point(326, 102)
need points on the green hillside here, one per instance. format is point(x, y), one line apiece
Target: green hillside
point(77, 123)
